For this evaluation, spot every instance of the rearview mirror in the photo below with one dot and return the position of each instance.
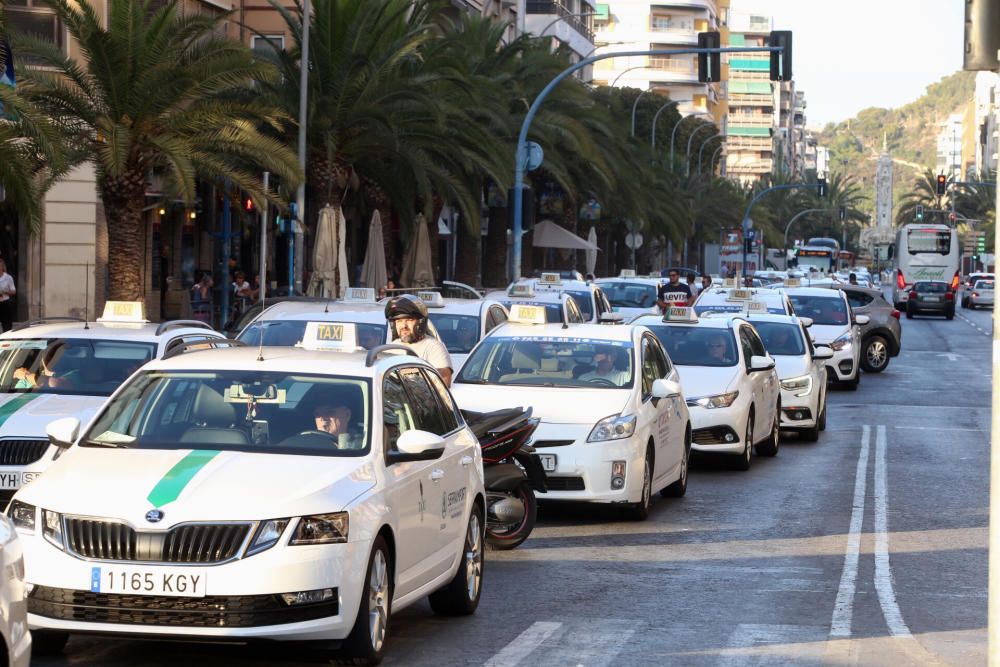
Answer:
(417, 445)
(822, 352)
(62, 432)
(862, 319)
(806, 321)
(665, 388)
(758, 363)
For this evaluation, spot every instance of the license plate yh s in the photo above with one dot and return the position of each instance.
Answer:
(179, 582)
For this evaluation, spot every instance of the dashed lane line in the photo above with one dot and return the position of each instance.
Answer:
(973, 324)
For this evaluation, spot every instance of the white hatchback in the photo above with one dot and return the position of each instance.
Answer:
(834, 325)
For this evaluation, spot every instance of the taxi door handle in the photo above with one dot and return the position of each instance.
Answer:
(436, 475)
(467, 460)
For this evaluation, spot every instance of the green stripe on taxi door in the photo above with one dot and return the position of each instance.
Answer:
(170, 487)
(13, 405)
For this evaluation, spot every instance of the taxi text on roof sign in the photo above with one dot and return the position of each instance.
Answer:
(756, 307)
(327, 336)
(627, 273)
(680, 314)
(521, 290)
(431, 299)
(124, 311)
(739, 295)
(550, 279)
(729, 282)
(360, 294)
(524, 314)
(793, 282)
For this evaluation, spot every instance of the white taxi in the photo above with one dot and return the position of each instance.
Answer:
(589, 297)
(734, 300)
(296, 494)
(461, 323)
(728, 378)
(801, 369)
(630, 295)
(58, 367)
(614, 426)
(836, 326)
(13, 599)
(559, 307)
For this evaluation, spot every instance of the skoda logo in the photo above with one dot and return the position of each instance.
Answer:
(154, 516)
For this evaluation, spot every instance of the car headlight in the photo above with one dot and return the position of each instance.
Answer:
(52, 527)
(801, 385)
(321, 529)
(841, 343)
(267, 535)
(22, 515)
(716, 401)
(614, 427)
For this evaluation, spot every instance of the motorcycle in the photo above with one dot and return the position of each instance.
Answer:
(513, 473)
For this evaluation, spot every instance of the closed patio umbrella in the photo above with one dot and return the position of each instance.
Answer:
(417, 266)
(373, 273)
(592, 254)
(322, 283)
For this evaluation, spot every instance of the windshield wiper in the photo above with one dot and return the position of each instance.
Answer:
(98, 443)
(476, 381)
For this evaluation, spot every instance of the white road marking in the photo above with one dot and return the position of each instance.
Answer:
(513, 653)
(843, 610)
(951, 356)
(943, 428)
(883, 574)
(592, 642)
(750, 644)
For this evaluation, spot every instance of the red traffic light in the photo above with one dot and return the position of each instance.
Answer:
(249, 204)
(942, 182)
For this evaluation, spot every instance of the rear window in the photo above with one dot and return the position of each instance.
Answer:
(630, 295)
(287, 333)
(586, 303)
(459, 333)
(933, 241)
(931, 288)
(984, 284)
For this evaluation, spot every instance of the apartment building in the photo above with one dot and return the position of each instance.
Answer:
(949, 146)
(627, 25)
(754, 101)
(569, 22)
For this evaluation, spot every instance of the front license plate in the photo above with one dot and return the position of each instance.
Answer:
(180, 582)
(10, 481)
(548, 462)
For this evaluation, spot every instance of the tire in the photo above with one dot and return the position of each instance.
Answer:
(810, 434)
(503, 541)
(770, 446)
(640, 511)
(48, 642)
(366, 643)
(679, 487)
(743, 461)
(822, 417)
(950, 313)
(875, 354)
(852, 385)
(461, 596)
(909, 313)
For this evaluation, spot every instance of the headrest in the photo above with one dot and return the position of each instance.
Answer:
(522, 358)
(550, 364)
(210, 408)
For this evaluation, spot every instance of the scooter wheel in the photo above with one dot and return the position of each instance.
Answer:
(504, 540)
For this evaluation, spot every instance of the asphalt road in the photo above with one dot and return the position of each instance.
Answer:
(800, 560)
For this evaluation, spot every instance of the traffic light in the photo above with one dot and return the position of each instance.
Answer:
(981, 243)
(982, 39)
(709, 64)
(821, 187)
(781, 61)
(920, 212)
(942, 184)
(249, 205)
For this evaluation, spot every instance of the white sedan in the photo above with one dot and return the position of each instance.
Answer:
(277, 493)
(614, 426)
(731, 386)
(834, 325)
(461, 323)
(630, 295)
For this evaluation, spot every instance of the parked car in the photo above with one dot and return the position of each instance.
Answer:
(931, 297)
(881, 338)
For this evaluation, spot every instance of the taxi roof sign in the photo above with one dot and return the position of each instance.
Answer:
(431, 299)
(729, 282)
(756, 307)
(340, 336)
(739, 295)
(133, 312)
(360, 295)
(793, 282)
(627, 273)
(521, 290)
(521, 313)
(680, 314)
(550, 279)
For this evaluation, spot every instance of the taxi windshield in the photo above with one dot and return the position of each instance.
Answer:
(781, 338)
(276, 413)
(459, 333)
(822, 309)
(696, 346)
(286, 333)
(72, 366)
(630, 295)
(550, 362)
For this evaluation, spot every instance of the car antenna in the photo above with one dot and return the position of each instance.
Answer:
(263, 304)
(86, 301)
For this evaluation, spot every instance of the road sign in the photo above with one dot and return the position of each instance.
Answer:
(633, 240)
(533, 156)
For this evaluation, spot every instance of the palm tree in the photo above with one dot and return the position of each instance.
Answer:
(154, 93)
(924, 193)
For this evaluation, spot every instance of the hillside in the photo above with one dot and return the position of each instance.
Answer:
(910, 133)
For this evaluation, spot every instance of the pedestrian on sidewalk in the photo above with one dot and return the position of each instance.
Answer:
(7, 293)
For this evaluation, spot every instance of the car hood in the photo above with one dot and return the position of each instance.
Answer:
(698, 381)
(26, 415)
(827, 333)
(791, 366)
(197, 485)
(550, 404)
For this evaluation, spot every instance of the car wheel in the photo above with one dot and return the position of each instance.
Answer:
(950, 313)
(48, 642)
(822, 417)
(909, 312)
(461, 596)
(366, 643)
(640, 510)
(743, 461)
(875, 354)
(770, 446)
(852, 384)
(679, 487)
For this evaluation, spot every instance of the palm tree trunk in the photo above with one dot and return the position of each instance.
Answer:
(495, 266)
(467, 252)
(123, 200)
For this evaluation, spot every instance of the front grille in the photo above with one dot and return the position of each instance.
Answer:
(190, 543)
(714, 435)
(21, 452)
(219, 611)
(540, 444)
(564, 483)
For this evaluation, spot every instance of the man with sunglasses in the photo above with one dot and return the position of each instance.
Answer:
(673, 293)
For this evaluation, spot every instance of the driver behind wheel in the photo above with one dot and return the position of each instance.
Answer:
(331, 416)
(604, 369)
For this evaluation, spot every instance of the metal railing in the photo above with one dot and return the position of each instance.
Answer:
(556, 8)
(676, 65)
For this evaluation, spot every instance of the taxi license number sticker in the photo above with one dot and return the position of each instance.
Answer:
(181, 582)
(15, 480)
(548, 462)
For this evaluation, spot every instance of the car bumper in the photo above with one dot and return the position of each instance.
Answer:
(583, 470)
(843, 366)
(930, 306)
(242, 598)
(711, 429)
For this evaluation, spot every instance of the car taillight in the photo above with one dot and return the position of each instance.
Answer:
(895, 313)
(955, 280)
(949, 296)
(975, 294)
(913, 294)
(900, 283)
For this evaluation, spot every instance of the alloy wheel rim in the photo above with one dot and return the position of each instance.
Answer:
(647, 483)
(684, 465)
(749, 440)
(378, 601)
(473, 557)
(876, 353)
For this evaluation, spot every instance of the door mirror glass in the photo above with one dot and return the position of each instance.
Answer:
(665, 388)
(62, 432)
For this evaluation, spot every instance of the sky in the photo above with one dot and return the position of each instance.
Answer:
(848, 55)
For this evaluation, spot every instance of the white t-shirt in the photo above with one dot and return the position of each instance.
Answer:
(619, 378)
(6, 285)
(432, 351)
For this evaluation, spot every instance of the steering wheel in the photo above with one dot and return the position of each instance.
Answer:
(604, 381)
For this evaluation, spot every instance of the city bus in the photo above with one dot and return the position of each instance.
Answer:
(816, 258)
(925, 252)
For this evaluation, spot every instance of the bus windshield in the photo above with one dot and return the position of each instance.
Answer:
(936, 241)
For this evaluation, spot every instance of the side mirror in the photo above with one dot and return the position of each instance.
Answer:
(862, 319)
(758, 363)
(822, 352)
(62, 432)
(417, 445)
(806, 321)
(666, 388)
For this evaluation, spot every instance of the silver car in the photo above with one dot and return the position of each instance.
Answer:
(981, 294)
(882, 337)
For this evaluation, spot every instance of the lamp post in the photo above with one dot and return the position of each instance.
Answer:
(702, 149)
(653, 138)
(300, 194)
(673, 135)
(634, 105)
(624, 71)
(712, 161)
(687, 157)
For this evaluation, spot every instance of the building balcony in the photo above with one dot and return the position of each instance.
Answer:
(745, 120)
(676, 67)
(552, 9)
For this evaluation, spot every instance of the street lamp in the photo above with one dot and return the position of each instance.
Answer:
(300, 194)
(634, 105)
(653, 138)
(712, 161)
(673, 134)
(702, 149)
(624, 71)
(687, 157)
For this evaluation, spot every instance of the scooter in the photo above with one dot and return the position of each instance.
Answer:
(513, 473)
